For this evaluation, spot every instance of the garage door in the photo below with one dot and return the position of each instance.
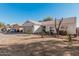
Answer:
(28, 29)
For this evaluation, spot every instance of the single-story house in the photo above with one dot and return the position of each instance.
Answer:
(35, 27)
(12, 28)
(32, 27)
(17, 27)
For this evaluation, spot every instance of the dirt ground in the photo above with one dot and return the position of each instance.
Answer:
(34, 45)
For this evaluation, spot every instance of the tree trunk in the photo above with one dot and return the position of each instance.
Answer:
(70, 38)
(57, 28)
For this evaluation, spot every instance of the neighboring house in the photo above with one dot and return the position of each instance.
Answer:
(17, 27)
(35, 27)
(12, 28)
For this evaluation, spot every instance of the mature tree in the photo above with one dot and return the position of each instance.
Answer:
(57, 27)
(48, 19)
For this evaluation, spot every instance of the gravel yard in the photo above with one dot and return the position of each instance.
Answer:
(34, 45)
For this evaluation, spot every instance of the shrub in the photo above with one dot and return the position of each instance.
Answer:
(61, 32)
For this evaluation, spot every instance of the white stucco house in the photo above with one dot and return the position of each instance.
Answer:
(32, 26)
(35, 27)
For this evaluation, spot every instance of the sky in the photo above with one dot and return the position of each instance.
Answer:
(20, 12)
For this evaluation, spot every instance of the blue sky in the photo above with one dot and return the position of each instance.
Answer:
(20, 12)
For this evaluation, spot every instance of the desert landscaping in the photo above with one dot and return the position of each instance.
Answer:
(34, 45)
(45, 38)
(39, 29)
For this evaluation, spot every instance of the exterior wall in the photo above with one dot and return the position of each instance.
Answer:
(69, 25)
(28, 29)
(70, 21)
(34, 28)
(50, 28)
(31, 27)
(47, 28)
(71, 29)
(15, 26)
(37, 29)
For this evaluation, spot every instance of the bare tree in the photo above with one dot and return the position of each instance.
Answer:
(57, 28)
(42, 31)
